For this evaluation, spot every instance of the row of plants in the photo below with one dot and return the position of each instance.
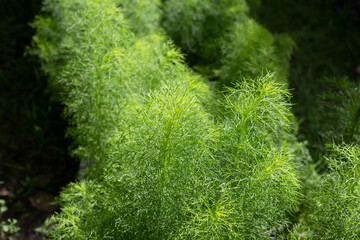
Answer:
(335, 114)
(170, 154)
(221, 41)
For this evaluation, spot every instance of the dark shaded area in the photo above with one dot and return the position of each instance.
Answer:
(327, 34)
(34, 164)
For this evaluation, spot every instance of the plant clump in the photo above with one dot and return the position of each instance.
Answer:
(222, 41)
(162, 165)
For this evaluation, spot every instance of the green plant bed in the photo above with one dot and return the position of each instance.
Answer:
(170, 158)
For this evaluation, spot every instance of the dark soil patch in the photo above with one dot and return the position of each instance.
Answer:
(34, 164)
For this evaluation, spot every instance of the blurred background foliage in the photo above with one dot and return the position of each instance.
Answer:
(325, 61)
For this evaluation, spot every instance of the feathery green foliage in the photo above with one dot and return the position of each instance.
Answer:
(197, 26)
(224, 41)
(341, 104)
(255, 160)
(164, 163)
(249, 50)
(106, 49)
(335, 202)
(143, 15)
(172, 174)
(163, 166)
(331, 207)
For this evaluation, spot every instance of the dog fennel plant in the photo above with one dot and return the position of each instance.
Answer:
(172, 175)
(223, 42)
(340, 102)
(331, 210)
(109, 51)
(334, 203)
(164, 168)
(246, 48)
(202, 22)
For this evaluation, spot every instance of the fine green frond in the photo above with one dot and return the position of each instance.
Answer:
(249, 50)
(223, 42)
(197, 26)
(334, 205)
(341, 103)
